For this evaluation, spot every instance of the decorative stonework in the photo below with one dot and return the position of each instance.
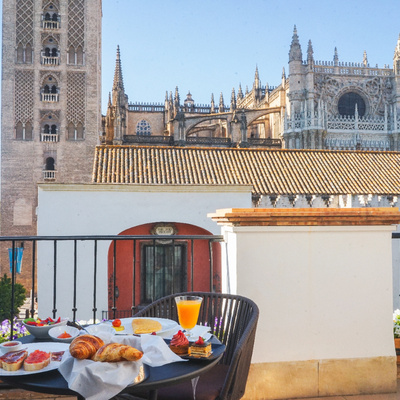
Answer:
(45, 36)
(377, 91)
(55, 3)
(45, 74)
(76, 23)
(24, 22)
(76, 95)
(54, 114)
(24, 92)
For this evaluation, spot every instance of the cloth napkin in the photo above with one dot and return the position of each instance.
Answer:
(198, 330)
(103, 380)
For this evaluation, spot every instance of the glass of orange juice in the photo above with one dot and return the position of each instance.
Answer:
(188, 311)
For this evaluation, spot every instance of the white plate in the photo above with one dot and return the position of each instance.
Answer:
(31, 347)
(167, 325)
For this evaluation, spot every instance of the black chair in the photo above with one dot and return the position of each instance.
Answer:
(233, 320)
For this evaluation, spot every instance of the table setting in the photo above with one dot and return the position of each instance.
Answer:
(103, 380)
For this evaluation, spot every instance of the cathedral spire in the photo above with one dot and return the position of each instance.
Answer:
(240, 93)
(118, 80)
(336, 57)
(310, 53)
(256, 84)
(212, 104)
(295, 53)
(233, 100)
(221, 103)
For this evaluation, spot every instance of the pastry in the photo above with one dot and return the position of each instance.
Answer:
(144, 325)
(114, 352)
(85, 346)
(13, 361)
(179, 344)
(200, 348)
(37, 360)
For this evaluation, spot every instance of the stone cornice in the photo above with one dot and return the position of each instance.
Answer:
(306, 217)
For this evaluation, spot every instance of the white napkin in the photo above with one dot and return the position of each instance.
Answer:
(198, 330)
(102, 380)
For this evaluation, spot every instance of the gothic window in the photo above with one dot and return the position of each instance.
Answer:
(50, 17)
(19, 131)
(20, 53)
(71, 131)
(79, 56)
(71, 55)
(49, 91)
(347, 104)
(143, 128)
(28, 54)
(46, 129)
(28, 131)
(50, 54)
(53, 129)
(79, 131)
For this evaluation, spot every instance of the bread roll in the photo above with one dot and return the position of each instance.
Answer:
(85, 346)
(114, 352)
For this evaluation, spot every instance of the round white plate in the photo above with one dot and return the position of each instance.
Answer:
(31, 347)
(167, 325)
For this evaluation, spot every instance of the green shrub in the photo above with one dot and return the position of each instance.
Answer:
(5, 297)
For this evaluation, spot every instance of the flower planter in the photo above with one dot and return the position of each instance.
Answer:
(397, 347)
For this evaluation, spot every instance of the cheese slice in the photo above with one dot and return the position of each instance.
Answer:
(141, 326)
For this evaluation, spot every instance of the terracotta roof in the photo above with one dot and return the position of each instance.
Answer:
(268, 171)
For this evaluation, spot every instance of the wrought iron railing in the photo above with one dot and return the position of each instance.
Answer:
(54, 252)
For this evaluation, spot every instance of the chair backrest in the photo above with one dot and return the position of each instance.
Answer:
(233, 320)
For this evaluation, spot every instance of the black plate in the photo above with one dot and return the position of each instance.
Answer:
(216, 348)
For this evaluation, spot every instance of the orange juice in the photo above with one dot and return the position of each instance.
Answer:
(188, 313)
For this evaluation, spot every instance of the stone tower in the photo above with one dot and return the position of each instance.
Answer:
(51, 98)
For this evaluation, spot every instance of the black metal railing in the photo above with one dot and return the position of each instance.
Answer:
(54, 250)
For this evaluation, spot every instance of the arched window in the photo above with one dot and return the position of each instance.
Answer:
(47, 17)
(49, 164)
(47, 52)
(54, 52)
(71, 131)
(54, 17)
(347, 104)
(46, 129)
(20, 53)
(28, 131)
(19, 131)
(53, 129)
(71, 55)
(79, 55)
(28, 54)
(79, 131)
(53, 89)
(143, 128)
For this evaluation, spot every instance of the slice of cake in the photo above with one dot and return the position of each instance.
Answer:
(179, 344)
(143, 325)
(200, 348)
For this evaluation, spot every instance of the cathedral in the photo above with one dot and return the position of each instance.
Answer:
(52, 120)
(330, 105)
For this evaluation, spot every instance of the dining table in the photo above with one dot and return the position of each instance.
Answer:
(52, 382)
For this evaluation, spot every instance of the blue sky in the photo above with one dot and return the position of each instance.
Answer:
(210, 46)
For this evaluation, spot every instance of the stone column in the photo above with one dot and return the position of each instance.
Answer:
(322, 279)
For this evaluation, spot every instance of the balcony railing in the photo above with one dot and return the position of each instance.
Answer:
(49, 175)
(49, 137)
(50, 24)
(47, 60)
(75, 256)
(49, 97)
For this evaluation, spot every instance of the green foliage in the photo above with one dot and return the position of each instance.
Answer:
(5, 297)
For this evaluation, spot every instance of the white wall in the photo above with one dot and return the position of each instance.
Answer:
(109, 210)
(324, 292)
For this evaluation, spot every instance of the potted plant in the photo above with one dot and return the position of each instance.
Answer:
(396, 333)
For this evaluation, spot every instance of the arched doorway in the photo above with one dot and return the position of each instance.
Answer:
(143, 270)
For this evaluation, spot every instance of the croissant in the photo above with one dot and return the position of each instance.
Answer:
(114, 352)
(85, 346)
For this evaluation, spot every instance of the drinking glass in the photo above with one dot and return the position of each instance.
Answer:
(188, 311)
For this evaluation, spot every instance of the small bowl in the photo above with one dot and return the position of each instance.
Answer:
(103, 331)
(14, 345)
(42, 332)
(56, 331)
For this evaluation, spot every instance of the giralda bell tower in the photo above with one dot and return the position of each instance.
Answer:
(50, 103)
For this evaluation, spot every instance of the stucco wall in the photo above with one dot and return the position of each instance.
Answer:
(109, 210)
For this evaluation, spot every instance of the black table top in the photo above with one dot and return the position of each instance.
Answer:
(52, 382)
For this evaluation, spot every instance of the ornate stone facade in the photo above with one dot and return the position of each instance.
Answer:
(51, 79)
